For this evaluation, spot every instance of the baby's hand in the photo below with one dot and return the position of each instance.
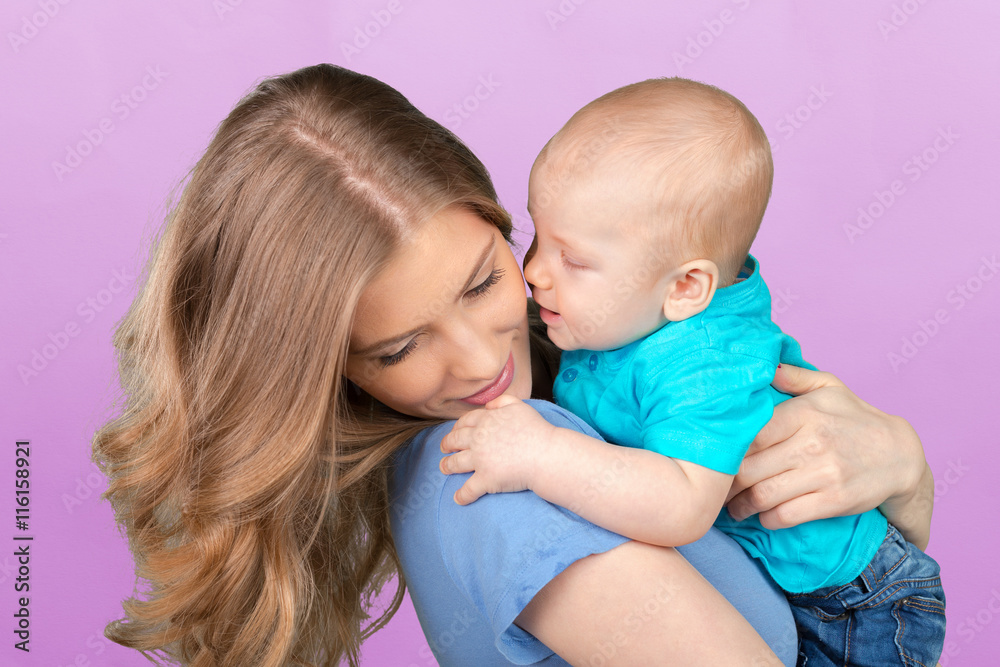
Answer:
(499, 444)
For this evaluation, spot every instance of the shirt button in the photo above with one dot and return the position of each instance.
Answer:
(569, 374)
(593, 362)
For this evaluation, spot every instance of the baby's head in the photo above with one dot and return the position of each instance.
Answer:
(644, 204)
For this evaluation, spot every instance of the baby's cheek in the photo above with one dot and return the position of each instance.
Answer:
(584, 321)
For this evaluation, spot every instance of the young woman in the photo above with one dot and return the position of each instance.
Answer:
(334, 285)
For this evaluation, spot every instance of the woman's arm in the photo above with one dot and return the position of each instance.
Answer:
(640, 604)
(828, 453)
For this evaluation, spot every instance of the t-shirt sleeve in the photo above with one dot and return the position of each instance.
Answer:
(707, 407)
(504, 548)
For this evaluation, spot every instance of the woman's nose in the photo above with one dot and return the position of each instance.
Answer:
(474, 351)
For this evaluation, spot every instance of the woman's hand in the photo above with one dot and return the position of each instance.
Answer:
(827, 453)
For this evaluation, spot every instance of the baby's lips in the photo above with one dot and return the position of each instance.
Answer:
(550, 317)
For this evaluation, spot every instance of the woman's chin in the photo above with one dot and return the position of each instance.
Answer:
(521, 387)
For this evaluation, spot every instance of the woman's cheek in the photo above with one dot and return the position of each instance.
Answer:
(415, 383)
(517, 309)
(515, 301)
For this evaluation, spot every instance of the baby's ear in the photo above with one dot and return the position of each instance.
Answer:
(691, 289)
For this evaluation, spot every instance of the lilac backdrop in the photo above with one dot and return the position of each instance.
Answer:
(880, 244)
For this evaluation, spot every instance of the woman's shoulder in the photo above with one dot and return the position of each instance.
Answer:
(423, 496)
(429, 440)
(560, 416)
(415, 475)
(419, 490)
(497, 552)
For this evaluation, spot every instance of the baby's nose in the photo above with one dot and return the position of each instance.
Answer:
(533, 274)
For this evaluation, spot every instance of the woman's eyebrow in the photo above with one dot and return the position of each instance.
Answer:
(394, 340)
(478, 267)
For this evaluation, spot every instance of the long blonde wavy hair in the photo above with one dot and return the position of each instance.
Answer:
(248, 475)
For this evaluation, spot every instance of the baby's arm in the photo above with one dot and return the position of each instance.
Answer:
(637, 493)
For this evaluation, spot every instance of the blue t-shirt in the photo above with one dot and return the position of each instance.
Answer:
(471, 570)
(699, 390)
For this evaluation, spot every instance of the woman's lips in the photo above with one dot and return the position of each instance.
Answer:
(549, 317)
(495, 388)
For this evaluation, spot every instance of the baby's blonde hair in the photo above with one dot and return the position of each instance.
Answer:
(693, 161)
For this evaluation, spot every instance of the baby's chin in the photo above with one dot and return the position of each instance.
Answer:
(565, 340)
(570, 341)
(568, 336)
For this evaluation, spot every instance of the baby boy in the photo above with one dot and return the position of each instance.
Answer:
(645, 206)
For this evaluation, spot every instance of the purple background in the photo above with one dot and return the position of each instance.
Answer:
(886, 81)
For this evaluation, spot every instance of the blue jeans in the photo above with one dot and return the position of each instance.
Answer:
(892, 614)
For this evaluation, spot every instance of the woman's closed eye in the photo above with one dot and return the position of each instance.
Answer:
(476, 292)
(391, 359)
(482, 288)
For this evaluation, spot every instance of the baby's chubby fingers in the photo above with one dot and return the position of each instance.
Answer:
(455, 441)
(459, 438)
(502, 401)
(456, 463)
(471, 491)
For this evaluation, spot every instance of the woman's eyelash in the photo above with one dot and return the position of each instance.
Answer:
(484, 287)
(391, 359)
(476, 292)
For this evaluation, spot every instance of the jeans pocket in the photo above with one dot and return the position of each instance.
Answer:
(920, 626)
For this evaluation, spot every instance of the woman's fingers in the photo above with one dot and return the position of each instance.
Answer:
(827, 453)
(769, 493)
(456, 463)
(786, 421)
(796, 380)
(798, 510)
(791, 415)
(776, 449)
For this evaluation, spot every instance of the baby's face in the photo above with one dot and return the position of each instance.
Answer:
(598, 287)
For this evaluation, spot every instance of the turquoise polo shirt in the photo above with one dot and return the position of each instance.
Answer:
(699, 390)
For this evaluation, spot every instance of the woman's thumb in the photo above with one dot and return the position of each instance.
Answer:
(796, 380)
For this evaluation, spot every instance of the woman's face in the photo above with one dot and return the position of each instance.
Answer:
(444, 329)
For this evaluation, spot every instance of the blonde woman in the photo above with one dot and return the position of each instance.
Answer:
(333, 288)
